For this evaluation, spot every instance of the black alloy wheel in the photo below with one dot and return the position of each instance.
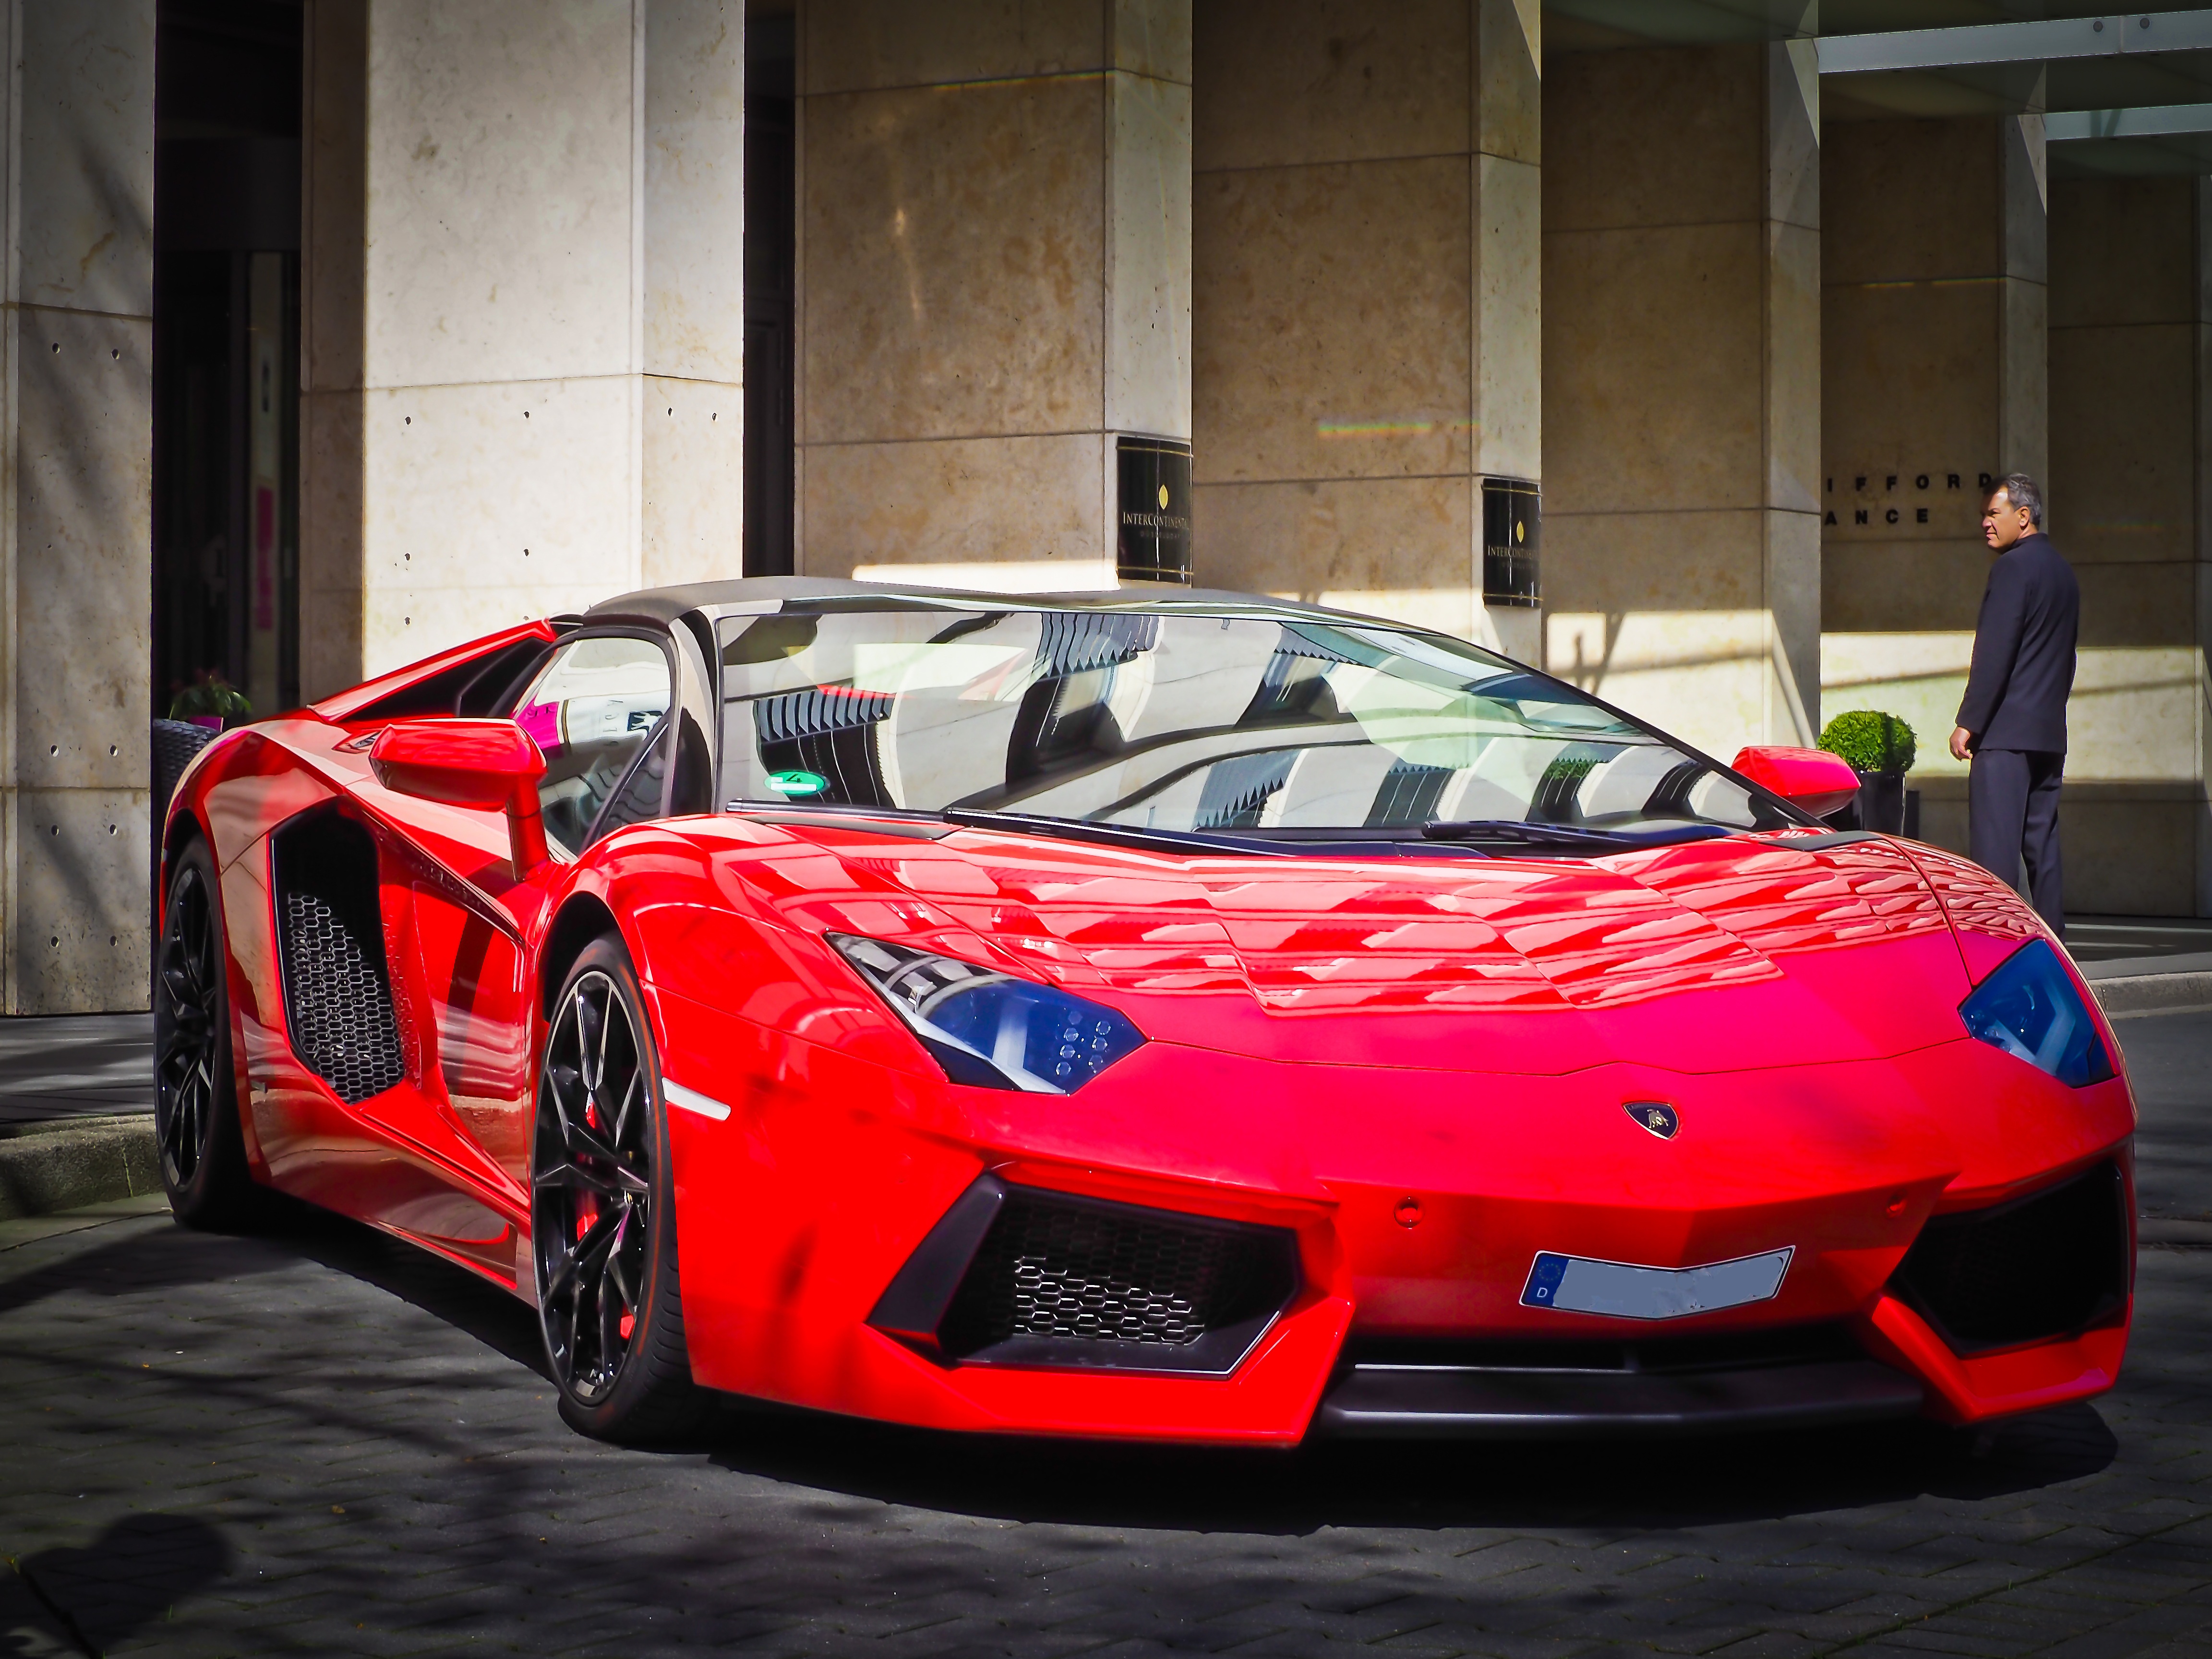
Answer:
(194, 1090)
(602, 1216)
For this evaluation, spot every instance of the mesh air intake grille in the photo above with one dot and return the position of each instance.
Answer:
(337, 988)
(1076, 1271)
(2040, 1267)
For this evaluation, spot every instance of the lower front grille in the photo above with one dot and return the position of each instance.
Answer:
(2042, 1267)
(1014, 1275)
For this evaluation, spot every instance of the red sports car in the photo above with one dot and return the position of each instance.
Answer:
(1176, 1015)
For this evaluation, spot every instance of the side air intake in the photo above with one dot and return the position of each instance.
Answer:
(330, 936)
(2041, 1266)
(1015, 1276)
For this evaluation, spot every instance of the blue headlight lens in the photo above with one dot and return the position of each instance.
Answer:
(989, 1028)
(2030, 1009)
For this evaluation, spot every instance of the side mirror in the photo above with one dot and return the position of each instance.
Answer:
(491, 764)
(1811, 780)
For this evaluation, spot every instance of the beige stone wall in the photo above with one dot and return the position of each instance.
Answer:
(1933, 302)
(76, 156)
(1365, 247)
(523, 327)
(994, 228)
(2129, 317)
(1935, 314)
(1682, 385)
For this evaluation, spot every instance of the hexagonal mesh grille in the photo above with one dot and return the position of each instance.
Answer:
(340, 1009)
(1055, 1268)
(337, 987)
(2040, 1267)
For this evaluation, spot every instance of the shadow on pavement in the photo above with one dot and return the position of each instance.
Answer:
(131, 1576)
(495, 1317)
(129, 1264)
(1644, 1484)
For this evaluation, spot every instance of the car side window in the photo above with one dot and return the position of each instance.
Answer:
(597, 711)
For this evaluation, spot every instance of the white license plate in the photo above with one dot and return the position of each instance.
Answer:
(1578, 1284)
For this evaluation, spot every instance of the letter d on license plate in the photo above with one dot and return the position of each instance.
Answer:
(1578, 1284)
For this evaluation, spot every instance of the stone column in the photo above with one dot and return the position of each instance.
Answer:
(1934, 311)
(2130, 394)
(522, 312)
(1682, 385)
(1367, 316)
(994, 281)
(76, 148)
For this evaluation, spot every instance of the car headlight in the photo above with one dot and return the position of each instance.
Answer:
(989, 1028)
(2030, 1009)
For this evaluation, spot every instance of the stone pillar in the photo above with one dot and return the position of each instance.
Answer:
(2130, 394)
(1934, 311)
(1682, 385)
(994, 281)
(76, 505)
(522, 315)
(1367, 318)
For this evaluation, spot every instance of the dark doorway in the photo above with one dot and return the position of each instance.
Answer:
(770, 289)
(225, 354)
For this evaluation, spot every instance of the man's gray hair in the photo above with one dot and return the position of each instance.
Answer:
(2020, 489)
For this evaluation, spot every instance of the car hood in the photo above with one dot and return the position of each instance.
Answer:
(1712, 955)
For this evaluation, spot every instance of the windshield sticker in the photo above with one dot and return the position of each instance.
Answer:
(797, 783)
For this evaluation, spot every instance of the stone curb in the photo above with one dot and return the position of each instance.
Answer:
(2151, 993)
(68, 1162)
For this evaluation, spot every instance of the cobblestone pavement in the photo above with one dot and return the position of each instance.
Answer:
(318, 1441)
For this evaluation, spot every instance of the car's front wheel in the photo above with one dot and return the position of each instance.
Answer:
(195, 1085)
(603, 1215)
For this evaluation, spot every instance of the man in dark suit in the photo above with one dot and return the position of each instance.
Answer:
(2011, 723)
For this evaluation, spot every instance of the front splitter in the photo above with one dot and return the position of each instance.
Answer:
(1480, 1403)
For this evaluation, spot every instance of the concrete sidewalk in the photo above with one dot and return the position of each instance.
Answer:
(77, 1092)
(77, 1112)
(75, 1066)
(2143, 964)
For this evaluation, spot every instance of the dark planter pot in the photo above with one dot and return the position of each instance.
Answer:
(1881, 802)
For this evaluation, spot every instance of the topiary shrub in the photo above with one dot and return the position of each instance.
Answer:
(1870, 741)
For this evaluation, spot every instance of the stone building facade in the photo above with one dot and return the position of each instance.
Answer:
(608, 293)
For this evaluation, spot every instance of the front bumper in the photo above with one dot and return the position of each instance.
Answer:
(801, 1211)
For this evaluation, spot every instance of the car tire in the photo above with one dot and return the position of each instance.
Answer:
(196, 1128)
(603, 1214)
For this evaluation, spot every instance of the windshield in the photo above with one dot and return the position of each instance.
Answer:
(1183, 721)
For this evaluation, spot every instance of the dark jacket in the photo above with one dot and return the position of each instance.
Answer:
(2024, 650)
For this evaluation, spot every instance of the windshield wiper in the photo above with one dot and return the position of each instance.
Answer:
(1519, 832)
(1112, 835)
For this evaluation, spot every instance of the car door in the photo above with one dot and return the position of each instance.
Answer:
(598, 710)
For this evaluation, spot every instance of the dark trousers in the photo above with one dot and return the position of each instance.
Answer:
(2012, 818)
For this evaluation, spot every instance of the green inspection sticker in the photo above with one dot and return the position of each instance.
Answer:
(797, 783)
